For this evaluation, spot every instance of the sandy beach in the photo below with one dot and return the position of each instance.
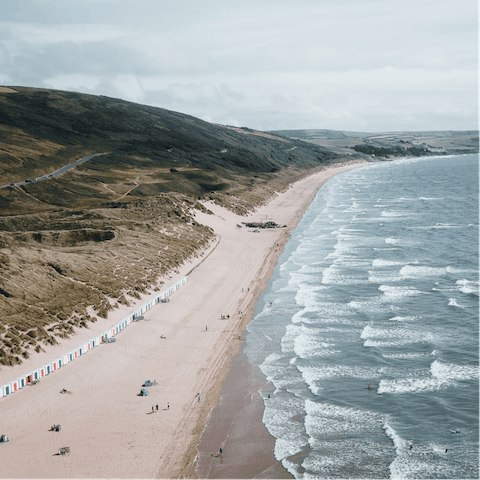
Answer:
(111, 431)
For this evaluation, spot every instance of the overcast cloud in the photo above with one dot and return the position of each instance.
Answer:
(349, 65)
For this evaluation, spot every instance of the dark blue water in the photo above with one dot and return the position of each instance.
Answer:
(378, 285)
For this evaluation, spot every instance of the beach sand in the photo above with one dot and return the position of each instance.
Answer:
(111, 431)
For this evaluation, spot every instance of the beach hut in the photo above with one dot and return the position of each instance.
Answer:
(7, 389)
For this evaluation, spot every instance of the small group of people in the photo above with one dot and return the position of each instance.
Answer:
(155, 407)
(223, 317)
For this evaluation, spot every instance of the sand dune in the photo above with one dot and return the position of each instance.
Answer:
(110, 430)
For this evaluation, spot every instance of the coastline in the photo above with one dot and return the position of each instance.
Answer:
(235, 424)
(194, 358)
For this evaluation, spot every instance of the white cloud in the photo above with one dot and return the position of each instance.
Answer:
(128, 87)
(266, 64)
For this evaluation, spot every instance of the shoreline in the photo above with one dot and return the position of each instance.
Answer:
(235, 423)
(186, 346)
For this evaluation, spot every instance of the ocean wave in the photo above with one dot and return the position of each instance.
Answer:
(290, 433)
(418, 271)
(452, 302)
(396, 214)
(407, 318)
(328, 419)
(378, 262)
(400, 336)
(440, 376)
(426, 460)
(467, 286)
(307, 295)
(392, 241)
(412, 385)
(396, 293)
(399, 443)
(382, 277)
(437, 226)
(313, 374)
(406, 356)
(446, 371)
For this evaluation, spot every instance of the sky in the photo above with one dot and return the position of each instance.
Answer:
(355, 65)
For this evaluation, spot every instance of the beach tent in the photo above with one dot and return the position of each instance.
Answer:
(143, 392)
(148, 383)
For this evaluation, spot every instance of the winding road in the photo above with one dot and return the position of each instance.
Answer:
(54, 174)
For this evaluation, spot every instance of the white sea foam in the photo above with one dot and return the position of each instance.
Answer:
(327, 419)
(467, 286)
(433, 227)
(441, 376)
(382, 277)
(452, 302)
(314, 374)
(290, 433)
(307, 346)
(399, 443)
(378, 262)
(446, 371)
(419, 271)
(405, 355)
(408, 318)
(396, 214)
(411, 385)
(392, 241)
(307, 295)
(402, 336)
(394, 293)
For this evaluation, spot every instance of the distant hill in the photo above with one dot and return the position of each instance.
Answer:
(386, 145)
(43, 130)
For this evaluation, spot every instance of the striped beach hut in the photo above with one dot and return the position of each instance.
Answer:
(6, 389)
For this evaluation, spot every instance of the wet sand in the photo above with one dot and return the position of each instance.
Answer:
(236, 427)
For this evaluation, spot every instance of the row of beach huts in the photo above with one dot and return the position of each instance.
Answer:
(106, 337)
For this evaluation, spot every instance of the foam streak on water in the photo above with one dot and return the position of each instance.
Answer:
(378, 285)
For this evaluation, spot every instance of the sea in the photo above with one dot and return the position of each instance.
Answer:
(368, 331)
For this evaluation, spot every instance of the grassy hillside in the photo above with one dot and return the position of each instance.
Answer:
(84, 238)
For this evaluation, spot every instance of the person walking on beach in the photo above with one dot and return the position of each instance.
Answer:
(153, 408)
(168, 405)
(206, 328)
(156, 407)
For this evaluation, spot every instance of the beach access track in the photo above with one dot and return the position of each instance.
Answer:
(106, 337)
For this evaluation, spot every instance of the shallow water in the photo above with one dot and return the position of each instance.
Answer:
(377, 285)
